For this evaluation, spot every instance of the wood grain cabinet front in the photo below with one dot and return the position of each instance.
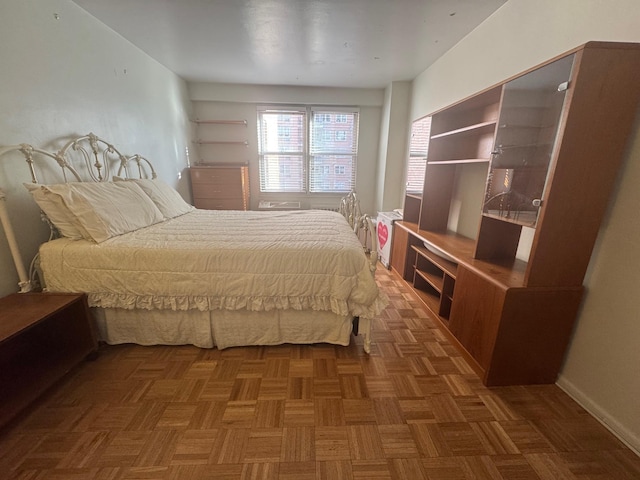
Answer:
(517, 182)
(220, 187)
(42, 337)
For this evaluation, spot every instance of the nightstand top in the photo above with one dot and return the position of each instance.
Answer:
(20, 311)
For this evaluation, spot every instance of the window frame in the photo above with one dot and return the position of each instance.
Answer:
(417, 158)
(342, 153)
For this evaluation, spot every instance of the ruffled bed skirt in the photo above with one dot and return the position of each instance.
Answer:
(220, 328)
(237, 304)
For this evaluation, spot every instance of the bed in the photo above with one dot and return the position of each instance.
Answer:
(158, 271)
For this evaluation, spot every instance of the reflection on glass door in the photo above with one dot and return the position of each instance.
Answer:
(527, 128)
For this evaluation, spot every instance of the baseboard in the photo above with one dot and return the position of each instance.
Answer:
(627, 437)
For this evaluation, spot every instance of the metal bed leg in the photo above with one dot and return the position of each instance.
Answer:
(364, 328)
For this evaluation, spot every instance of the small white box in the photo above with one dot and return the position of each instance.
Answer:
(384, 230)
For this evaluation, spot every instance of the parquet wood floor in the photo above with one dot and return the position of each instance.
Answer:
(413, 409)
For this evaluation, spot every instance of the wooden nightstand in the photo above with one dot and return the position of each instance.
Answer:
(42, 337)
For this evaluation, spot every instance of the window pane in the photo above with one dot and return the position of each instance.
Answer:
(332, 173)
(281, 132)
(333, 147)
(418, 149)
(335, 133)
(281, 150)
(282, 173)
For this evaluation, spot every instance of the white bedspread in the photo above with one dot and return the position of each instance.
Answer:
(208, 260)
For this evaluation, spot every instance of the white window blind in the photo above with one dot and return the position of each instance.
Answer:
(281, 150)
(333, 143)
(418, 150)
(307, 149)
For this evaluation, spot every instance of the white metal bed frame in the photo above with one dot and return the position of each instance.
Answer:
(97, 159)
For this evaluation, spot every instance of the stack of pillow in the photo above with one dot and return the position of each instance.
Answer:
(97, 211)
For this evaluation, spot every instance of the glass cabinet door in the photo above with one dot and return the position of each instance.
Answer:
(527, 126)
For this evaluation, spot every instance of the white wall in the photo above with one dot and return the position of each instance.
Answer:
(394, 141)
(239, 102)
(602, 368)
(68, 76)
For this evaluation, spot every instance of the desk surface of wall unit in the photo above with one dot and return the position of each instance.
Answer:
(550, 143)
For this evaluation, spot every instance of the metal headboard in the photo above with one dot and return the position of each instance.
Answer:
(90, 155)
(98, 157)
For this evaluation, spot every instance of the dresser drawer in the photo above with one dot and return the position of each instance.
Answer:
(220, 187)
(217, 176)
(212, 190)
(219, 203)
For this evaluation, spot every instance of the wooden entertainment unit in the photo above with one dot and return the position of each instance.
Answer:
(543, 150)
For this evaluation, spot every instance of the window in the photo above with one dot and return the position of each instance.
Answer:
(418, 149)
(317, 155)
(284, 131)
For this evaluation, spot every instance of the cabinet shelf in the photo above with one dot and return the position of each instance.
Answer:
(523, 126)
(525, 218)
(432, 279)
(430, 299)
(470, 130)
(463, 145)
(446, 266)
(459, 161)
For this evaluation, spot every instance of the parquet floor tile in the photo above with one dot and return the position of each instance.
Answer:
(412, 409)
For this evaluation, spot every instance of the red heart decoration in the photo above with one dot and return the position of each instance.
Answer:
(383, 234)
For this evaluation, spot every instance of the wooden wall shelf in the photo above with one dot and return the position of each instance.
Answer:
(221, 122)
(222, 142)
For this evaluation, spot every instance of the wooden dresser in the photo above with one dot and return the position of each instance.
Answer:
(220, 186)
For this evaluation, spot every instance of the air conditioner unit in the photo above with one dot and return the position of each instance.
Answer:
(271, 205)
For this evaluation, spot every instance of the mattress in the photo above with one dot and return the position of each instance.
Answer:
(222, 260)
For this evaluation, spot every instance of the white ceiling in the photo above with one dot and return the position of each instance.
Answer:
(335, 43)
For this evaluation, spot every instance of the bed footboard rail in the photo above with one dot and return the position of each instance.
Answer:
(362, 225)
(365, 225)
(365, 230)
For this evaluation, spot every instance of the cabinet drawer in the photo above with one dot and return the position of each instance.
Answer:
(218, 176)
(203, 190)
(219, 203)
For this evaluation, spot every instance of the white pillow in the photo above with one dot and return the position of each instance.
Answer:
(168, 201)
(108, 209)
(57, 212)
